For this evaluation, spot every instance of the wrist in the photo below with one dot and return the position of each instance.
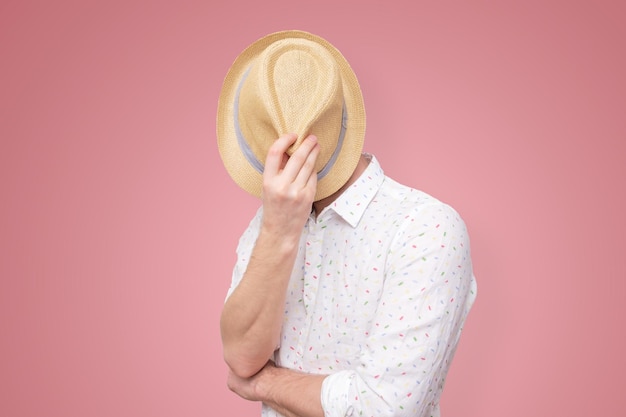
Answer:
(281, 241)
(263, 383)
(290, 392)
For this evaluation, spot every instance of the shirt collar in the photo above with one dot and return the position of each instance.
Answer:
(351, 204)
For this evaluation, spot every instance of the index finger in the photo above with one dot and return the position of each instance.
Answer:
(275, 154)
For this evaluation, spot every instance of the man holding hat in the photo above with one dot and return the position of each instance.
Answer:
(350, 290)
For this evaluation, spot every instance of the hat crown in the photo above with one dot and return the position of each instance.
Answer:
(290, 82)
(293, 86)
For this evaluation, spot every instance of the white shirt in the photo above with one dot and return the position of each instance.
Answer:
(378, 295)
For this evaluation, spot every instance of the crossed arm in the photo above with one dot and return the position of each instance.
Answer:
(252, 316)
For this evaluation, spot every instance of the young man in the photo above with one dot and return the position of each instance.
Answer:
(350, 290)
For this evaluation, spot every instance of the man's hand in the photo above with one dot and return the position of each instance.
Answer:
(289, 186)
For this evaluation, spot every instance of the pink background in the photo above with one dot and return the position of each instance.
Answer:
(118, 222)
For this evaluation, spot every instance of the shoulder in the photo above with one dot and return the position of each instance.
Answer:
(431, 243)
(415, 208)
(421, 223)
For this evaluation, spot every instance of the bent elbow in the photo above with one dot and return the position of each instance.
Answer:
(241, 367)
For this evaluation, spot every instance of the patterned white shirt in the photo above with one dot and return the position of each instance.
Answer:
(378, 295)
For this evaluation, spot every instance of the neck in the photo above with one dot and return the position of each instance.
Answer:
(320, 205)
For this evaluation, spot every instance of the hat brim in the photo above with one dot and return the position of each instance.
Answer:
(238, 167)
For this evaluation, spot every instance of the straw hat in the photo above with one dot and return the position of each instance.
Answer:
(290, 82)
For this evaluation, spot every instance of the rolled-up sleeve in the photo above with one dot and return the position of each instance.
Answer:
(428, 291)
(244, 249)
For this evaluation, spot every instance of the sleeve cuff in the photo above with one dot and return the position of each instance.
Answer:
(334, 395)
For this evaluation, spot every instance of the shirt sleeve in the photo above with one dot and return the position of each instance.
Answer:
(244, 250)
(428, 291)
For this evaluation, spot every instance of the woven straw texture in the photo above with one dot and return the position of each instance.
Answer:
(290, 82)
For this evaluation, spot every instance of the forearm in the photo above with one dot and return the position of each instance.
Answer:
(292, 393)
(252, 316)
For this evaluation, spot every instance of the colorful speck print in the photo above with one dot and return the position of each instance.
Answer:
(379, 293)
